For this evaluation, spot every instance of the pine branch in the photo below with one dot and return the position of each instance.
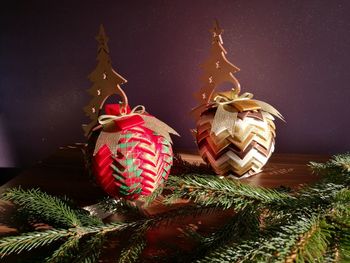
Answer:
(321, 195)
(149, 199)
(210, 190)
(311, 225)
(344, 245)
(341, 208)
(225, 193)
(182, 167)
(86, 219)
(118, 206)
(340, 161)
(65, 252)
(312, 245)
(337, 169)
(242, 226)
(331, 255)
(42, 205)
(167, 218)
(339, 217)
(137, 244)
(60, 212)
(339, 249)
(104, 229)
(272, 245)
(90, 251)
(29, 241)
(343, 161)
(132, 253)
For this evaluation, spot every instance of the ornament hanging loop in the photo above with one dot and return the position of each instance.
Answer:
(125, 102)
(236, 87)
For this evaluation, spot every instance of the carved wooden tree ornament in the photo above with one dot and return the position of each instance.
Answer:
(106, 82)
(235, 134)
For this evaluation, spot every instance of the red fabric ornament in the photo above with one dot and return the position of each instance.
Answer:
(131, 159)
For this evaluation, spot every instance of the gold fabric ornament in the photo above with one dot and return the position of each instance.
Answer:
(235, 133)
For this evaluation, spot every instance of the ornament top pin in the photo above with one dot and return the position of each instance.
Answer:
(235, 133)
(131, 151)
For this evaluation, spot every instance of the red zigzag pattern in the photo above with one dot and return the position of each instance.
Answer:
(141, 165)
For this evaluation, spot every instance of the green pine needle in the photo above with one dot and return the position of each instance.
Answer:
(65, 252)
(311, 225)
(210, 190)
(90, 251)
(274, 246)
(132, 253)
(42, 205)
(149, 199)
(313, 244)
(336, 169)
(28, 241)
(118, 206)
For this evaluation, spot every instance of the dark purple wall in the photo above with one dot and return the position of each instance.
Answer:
(292, 54)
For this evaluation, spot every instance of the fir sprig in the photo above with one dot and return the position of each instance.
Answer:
(337, 164)
(212, 190)
(273, 245)
(28, 241)
(118, 206)
(149, 199)
(242, 226)
(132, 252)
(65, 252)
(310, 225)
(44, 206)
(90, 250)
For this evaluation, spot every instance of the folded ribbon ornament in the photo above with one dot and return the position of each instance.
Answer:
(131, 149)
(235, 133)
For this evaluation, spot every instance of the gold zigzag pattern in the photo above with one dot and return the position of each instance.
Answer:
(242, 154)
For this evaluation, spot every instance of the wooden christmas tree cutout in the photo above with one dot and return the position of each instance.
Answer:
(106, 82)
(217, 69)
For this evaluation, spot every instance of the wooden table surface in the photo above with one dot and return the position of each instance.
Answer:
(63, 173)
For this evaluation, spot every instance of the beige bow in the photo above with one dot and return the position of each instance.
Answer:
(226, 120)
(105, 119)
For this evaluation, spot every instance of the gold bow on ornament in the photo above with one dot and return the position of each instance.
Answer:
(226, 117)
(111, 138)
(107, 119)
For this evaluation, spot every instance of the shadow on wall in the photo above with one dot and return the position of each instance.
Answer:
(7, 160)
(6, 153)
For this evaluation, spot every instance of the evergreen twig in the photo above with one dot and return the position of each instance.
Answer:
(28, 241)
(272, 246)
(212, 190)
(132, 252)
(42, 205)
(311, 225)
(118, 206)
(65, 252)
(149, 199)
(90, 251)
